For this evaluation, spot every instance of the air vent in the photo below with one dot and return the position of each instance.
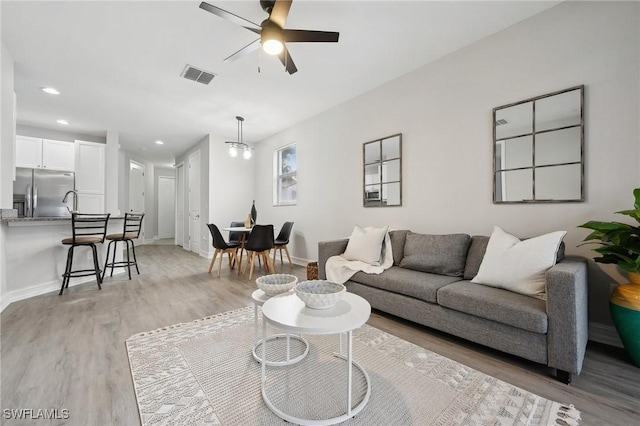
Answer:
(195, 74)
(501, 122)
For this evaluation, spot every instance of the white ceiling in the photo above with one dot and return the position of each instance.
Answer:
(117, 64)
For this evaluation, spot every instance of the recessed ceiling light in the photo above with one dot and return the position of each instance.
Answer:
(50, 90)
(65, 122)
(160, 142)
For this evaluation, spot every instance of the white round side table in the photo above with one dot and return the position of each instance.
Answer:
(288, 312)
(259, 298)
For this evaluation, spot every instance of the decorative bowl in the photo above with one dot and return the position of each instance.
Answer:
(276, 283)
(319, 294)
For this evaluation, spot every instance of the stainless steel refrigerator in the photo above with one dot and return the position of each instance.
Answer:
(39, 193)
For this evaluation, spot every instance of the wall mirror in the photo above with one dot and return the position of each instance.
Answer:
(382, 161)
(538, 147)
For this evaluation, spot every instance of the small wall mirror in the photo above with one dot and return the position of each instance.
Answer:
(382, 160)
(539, 149)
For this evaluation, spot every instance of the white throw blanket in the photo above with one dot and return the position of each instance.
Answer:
(339, 269)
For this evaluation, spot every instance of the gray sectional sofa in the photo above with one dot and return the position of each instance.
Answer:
(436, 291)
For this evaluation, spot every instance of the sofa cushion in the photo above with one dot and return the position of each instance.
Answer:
(438, 254)
(517, 265)
(495, 304)
(477, 248)
(365, 244)
(421, 285)
(476, 253)
(398, 238)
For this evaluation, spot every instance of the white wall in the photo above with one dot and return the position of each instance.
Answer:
(7, 144)
(444, 111)
(231, 192)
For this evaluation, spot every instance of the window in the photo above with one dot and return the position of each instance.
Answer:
(285, 161)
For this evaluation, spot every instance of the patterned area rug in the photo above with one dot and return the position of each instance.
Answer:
(202, 373)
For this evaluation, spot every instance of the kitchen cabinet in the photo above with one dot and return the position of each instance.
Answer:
(37, 153)
(90, 176)
(90, 203)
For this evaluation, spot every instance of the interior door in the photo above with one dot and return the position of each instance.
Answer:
(180, 205)
(194, 202)
(166, 207)
(136, 190)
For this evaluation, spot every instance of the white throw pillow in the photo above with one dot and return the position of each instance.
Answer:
(518, 266)
(365, 244)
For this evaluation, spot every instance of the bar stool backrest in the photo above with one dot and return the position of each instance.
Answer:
(89, 225)
(132, 225)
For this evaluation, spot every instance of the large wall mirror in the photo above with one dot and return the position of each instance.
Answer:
(383, 172)
(539, 149)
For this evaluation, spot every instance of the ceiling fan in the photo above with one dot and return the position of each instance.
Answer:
(273, 35)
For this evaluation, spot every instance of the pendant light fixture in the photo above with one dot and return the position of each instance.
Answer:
(239, 145)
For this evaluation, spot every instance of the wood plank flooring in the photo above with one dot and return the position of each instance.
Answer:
(68, 352)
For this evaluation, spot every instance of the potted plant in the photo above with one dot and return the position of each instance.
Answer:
(620, 245)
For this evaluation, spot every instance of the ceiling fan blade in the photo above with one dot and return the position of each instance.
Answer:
(285, 58)
(251, 47)
(231, 17)
(280, 12)
(298, 36)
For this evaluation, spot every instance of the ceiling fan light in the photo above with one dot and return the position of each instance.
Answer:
(272, 46)
(247, 154)
(233, 151)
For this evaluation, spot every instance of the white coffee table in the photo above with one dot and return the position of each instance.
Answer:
(259, 297)
(288, 312)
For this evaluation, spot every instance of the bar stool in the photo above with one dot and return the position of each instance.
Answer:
(87, 230)
(130, 231)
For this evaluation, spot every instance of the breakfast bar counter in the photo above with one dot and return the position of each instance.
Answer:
(35, 257)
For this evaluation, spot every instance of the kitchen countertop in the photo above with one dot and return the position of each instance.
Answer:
(28, 220)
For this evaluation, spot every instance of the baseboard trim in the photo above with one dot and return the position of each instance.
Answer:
(47, 287)
(606, 334)
(300, 261)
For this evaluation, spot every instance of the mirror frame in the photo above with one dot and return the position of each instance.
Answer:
(532, 134)
(380, 161)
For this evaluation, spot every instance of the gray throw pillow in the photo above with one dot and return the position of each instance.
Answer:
(437, 254)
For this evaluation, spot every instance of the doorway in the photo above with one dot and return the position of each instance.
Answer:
(136, 190)
(180, 190)
(166, 206)
(194, 202)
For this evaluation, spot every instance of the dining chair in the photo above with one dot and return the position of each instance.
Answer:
(260, 243)
(222, 247)
(86, 230)
(238, 237)
(130, 231)
(281, 242)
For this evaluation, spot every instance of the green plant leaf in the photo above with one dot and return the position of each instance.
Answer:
(604, 226)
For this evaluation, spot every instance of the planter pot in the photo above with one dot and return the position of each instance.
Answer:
(624, 305)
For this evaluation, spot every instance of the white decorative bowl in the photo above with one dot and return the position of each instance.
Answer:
(319, 294)
(276, 283)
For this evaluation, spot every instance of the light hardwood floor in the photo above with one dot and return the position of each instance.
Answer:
(68, 352)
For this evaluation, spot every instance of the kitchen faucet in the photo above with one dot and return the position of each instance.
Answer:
(75, 200)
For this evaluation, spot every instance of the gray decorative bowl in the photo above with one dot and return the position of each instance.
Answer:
(319, 294)
(276, 283)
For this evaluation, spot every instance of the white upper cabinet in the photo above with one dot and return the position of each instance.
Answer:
(58, 155)
(37, 153)
(90, 167)
(28, 152)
